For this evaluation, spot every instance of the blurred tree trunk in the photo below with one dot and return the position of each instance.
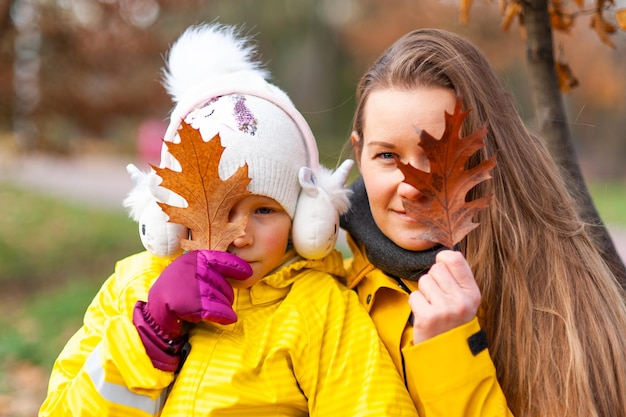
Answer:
(5, 16)
(26, 66)
(552, 119)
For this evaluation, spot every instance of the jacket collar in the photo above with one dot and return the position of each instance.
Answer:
(276, 285)
(382, 252)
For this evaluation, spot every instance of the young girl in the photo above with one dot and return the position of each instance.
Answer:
(256, 330)
(528, 282)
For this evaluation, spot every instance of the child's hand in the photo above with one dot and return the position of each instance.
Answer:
(192, 288)
(448, 297)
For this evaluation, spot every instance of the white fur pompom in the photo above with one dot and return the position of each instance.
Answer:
(206, 51)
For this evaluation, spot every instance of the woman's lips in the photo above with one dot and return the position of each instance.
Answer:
(402, 215)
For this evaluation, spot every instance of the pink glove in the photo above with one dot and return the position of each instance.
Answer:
(191, 289)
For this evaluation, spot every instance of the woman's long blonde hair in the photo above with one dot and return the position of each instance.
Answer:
(554, 314)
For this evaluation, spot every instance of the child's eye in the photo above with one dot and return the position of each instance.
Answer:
(264, 210)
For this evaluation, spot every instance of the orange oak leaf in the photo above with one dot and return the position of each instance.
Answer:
(446, 214)
(209, 199)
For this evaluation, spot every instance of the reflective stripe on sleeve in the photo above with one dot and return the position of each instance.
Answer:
(119, 394)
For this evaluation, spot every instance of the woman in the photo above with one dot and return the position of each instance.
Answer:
(529, 276)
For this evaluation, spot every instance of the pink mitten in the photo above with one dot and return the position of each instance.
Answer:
(192, 288)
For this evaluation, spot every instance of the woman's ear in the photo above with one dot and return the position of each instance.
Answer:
(356, 147)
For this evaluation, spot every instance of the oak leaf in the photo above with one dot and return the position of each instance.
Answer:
(209, 199)
(446, 214)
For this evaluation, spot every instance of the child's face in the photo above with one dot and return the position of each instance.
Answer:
(266, 236)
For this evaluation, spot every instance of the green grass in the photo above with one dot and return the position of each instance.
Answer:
(46, 241)
(610, 201)
(53, 258)
(38, 330)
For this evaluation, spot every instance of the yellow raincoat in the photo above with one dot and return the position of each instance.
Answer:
(303, 345)
(443, 375)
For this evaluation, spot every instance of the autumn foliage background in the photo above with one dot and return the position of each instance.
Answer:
(99, 65)
(95, 68)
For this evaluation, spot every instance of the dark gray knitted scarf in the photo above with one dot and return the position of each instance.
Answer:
(380, 250)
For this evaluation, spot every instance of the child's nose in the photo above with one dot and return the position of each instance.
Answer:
(243, 240)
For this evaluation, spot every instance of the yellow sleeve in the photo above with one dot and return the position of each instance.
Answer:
(446, 379)
(104, 369)
(347, 370)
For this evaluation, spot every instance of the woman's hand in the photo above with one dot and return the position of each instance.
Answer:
(448, 297)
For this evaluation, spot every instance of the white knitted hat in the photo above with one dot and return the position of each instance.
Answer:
(217, 89)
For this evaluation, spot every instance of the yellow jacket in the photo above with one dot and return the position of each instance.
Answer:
(444, 378)
(302, 345)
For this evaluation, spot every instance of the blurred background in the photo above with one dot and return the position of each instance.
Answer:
(80, 97)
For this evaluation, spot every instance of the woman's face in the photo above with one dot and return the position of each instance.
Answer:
(392, 121)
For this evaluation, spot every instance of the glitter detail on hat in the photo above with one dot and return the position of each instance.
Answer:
(245, 119)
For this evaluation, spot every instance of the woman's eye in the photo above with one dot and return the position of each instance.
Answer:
(385, 155)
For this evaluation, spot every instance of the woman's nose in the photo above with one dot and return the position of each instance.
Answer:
(408, 191)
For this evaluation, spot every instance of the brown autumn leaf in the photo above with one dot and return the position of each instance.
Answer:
(464, 11)
(559, 19)
(603, 28)
(209, 199)
(512, 10)
(566, 78)
(447, 214)
(620, 17)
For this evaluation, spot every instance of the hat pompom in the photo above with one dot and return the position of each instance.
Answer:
(189, 63)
